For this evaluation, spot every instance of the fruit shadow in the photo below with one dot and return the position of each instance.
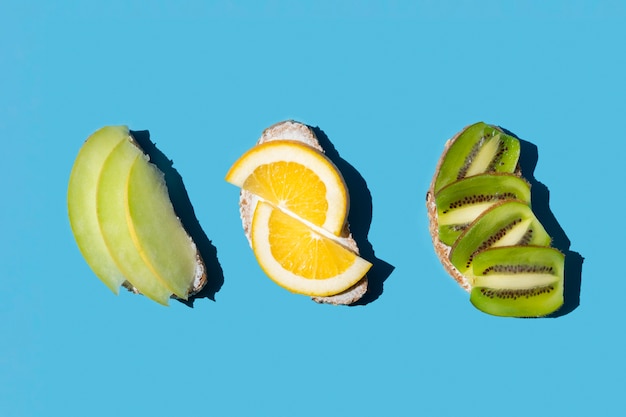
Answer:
(360, 219)
(540, 198)
(184, 210)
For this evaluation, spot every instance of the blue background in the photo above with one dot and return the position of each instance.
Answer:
(388, 82)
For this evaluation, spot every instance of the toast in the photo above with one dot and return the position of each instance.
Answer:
(293, 130)
(441, 249)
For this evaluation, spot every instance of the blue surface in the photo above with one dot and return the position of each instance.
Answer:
(388, 84)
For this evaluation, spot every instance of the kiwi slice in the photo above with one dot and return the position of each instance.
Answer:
(518, 281)
(517, 267)
(481, 148)
(532, 302)
(510, 223)
(461, 202)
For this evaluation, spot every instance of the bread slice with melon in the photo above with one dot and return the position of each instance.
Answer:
(124, 221)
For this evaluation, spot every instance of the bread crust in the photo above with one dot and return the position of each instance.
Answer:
(292, 130)
(197, 285)
(441, 249)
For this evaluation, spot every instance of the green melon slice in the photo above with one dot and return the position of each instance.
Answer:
(81, 203)
(156, 231)
(112, 201)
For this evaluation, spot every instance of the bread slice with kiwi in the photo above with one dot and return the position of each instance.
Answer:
(483, 228)
(300, 132)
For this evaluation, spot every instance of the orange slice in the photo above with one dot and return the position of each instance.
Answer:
(295, 178)
(302, 259)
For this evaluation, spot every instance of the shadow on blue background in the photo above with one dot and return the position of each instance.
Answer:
(540, 198)
(360, 219)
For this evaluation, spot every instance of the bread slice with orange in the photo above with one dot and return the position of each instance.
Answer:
(294, 205)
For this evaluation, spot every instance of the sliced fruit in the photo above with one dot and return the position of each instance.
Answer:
(301, 259)
(156, 231)
(81, 203)
(520, 281)
(481, 148)
(111, 206)
(533, 302)
(295, 178)
(124, 222)
(460, 203)
(504, 267)
(506, 224)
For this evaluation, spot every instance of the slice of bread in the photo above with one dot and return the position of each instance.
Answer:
(441, 249)
(293, 130)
